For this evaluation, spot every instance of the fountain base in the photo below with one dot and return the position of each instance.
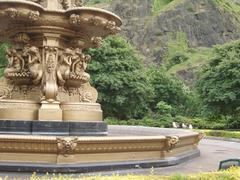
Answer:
(131, 147)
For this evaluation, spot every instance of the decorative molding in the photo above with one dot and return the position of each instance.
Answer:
(73, 145)
(111, 26)
(22, 38)
(66, 146)
(78, 3)
(65, 4)
(97, 41)
(18, 14)
(5, 92)
(172, 141)
(200, 136)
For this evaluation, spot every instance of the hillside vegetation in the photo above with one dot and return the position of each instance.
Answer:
(152, 26)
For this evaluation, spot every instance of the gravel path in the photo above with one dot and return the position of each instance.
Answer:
(212, 152)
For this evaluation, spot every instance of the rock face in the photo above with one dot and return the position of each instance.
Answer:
(203, 21)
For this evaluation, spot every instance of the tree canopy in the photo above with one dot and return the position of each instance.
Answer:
(120, 78)
(219, 81)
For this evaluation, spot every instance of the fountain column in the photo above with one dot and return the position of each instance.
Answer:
(50, 106)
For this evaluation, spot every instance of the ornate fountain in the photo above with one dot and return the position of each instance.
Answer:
(46, 91)
(46, 78)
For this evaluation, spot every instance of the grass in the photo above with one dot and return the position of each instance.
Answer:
(221, 133)
(160, 6)
(96, 2)
(231, 6)
(197, 57)
(230, 174)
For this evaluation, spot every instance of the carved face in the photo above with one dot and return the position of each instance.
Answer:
(34, 15)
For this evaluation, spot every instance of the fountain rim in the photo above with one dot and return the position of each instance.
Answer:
(67, 11)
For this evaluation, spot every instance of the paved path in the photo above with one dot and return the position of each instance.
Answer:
(212, 152)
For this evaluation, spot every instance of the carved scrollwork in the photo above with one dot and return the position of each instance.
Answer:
(33, 15)
(172, 141)
(200, 136)
(65, 4)
(96, 21)
(111, 26)
(88, 93)
(5, 92)
(22, 38)
(50, 88)
(78, 3)
(66, 146)
(11, 13)
(77, 19)
(97, 41)
(16, 14)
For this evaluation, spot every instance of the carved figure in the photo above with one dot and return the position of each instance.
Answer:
(80, 65)
(64, 65)
(34, 63)
(16, 62)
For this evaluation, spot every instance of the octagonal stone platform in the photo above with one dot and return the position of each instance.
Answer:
(125, 147)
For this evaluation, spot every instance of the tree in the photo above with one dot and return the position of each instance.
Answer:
(167, 88)
(120, 78)
(219, 81)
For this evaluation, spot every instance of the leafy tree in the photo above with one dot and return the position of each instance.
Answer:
(120, 78)
(167, 88)
(219, 81)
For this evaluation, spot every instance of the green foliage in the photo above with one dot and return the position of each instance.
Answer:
(230, 6)
(163, 108)
(3, 60)
(177, 48)
(93, 2)
(118, 74)
(200, 123)
(224, 134)
(159, 6)
(219, 81)
(167, 88)
(161, 122)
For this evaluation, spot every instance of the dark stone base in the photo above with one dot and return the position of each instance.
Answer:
(53, 128)
(91, 167)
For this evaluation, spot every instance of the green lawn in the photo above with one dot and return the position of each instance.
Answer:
(231, 174)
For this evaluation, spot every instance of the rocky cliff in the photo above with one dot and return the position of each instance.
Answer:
(205, 23)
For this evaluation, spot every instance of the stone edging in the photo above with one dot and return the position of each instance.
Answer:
(223, 139)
